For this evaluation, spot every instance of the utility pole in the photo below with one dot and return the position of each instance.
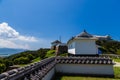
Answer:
(60, 38)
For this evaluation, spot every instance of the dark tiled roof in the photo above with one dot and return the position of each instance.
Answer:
(84, 34)
(56, 41)
(84, 60)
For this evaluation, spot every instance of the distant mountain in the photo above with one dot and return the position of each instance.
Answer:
(9, 51)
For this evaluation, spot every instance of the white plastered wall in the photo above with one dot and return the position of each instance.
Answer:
(83, 47)
(71, 48)
(49, 75)
(85, 69)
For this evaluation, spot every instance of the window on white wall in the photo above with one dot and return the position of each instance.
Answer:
(71, 46)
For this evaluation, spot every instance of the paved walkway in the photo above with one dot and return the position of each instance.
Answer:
(117, 64)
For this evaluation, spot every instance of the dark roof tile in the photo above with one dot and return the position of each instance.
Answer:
(84, 60)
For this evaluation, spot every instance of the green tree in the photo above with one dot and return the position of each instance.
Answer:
(8, 63)
(30, 56)
(21, 60)
(2, 67)
(109, 46)
(42, 53)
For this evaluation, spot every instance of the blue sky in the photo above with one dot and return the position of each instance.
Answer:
(39, 22)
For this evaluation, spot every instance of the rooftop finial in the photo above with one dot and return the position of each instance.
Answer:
(84, 30)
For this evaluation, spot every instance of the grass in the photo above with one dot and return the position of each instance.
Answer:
(118, 51)
(116, 73)
(83, 78)
(116, 59)
(63, 54)
(36, 60)
(22, 65)
(50, 53)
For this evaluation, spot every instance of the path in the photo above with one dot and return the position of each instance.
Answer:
(117, 64)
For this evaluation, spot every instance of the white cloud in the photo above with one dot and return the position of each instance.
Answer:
(7, 32)
(10, 44)
(10, 38)
(30, 39)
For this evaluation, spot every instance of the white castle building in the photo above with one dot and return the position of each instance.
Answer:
(83, 44)
(106, 37)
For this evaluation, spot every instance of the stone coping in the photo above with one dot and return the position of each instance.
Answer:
(43, 67)
(39, 69)
(84, 60)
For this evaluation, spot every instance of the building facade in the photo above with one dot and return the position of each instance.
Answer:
(61, 48)
(83, 44)
(54, 44)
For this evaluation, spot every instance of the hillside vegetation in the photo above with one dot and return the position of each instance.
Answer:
(24, 58)
(109, 47)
